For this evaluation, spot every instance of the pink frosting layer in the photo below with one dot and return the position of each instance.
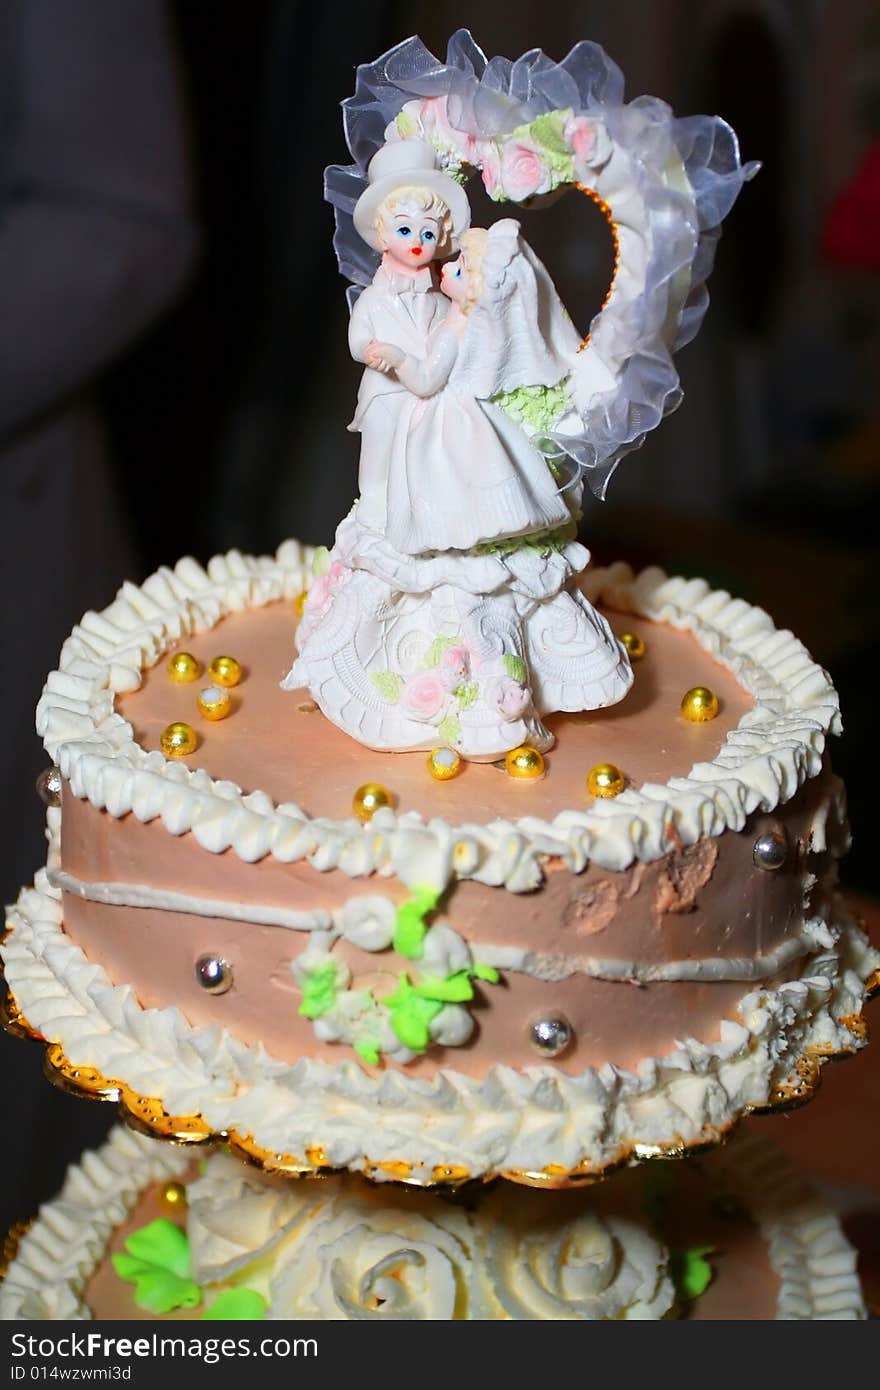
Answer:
(704, 901)
(278, 742)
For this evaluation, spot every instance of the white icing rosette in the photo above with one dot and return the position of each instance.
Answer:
(535, 1265)
(236, 1218)
(361, 1259)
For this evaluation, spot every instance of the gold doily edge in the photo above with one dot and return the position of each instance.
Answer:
(148, 1115)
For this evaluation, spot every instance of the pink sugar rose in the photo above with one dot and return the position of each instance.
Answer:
(455, 663)
(511, 698)
(490, 171)
(337, 575)
(523, 171)
(433, 117)
(424, 695)
(581, 136)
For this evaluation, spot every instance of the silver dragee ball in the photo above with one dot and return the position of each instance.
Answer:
(48, 786)
(550, 1036)
(214, 974)
(770, 851)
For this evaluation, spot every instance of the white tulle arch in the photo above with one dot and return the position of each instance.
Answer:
(529, 128)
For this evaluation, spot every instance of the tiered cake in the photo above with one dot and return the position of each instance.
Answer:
(593, 920)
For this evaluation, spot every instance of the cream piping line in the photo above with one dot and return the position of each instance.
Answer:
(513, 958)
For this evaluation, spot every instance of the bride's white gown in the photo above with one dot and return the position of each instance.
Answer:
(462, 623)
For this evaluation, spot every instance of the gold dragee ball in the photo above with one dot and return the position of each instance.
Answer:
(215, 702)
(183, 668)
(605, 780)
(172, 1195)
(178, 740)
(699, 704)
(524, 763)
(634, 644)
(444, 763)
(368, 799)
(225, 670)
(299, 603)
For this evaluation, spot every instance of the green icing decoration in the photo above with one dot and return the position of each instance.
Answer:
(538, 407)
(454, 989)
(319, 990)
(515, 668)
(544, 542)
(388, 685)
(156, 1260)
(466, 694)
(321, 561)
(410, 929)
(449, 729)
(691, 1271)
(369, 1051)
(410, 1014)
(437, 648)
(547, 130)
(486, 972)
(237, 1305)
(407, 124)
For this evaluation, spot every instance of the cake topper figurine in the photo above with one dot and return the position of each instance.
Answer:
(448, 611)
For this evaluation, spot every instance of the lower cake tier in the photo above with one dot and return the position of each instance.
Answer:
(142, 1230)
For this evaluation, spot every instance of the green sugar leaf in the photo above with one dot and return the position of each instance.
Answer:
(691, 1271)
(486, 972)
(547, 130)
(410, 928)
(515, 668)
(157, 1261)
(466, 694)
(237, 1305)
(437, 648)
(410, 1015)
(319, 990)
(321, 561)
(449, 730)
(388, 685)
(369, 1051)
(454, 989)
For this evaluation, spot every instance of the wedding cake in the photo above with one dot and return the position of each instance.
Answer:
(443, 856)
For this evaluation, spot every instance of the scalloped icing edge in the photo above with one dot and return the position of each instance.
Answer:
(47, 1277)
(514, 1123)
(64, 1245)
(776, 747)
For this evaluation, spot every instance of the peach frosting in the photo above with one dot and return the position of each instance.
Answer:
(651, 882)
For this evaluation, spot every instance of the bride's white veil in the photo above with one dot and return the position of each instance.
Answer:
(518, 333)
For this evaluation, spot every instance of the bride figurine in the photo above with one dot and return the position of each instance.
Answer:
(447, 612)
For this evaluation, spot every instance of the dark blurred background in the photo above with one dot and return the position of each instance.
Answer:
(173, 366)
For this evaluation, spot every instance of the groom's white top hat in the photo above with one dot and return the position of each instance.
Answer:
(407, 164)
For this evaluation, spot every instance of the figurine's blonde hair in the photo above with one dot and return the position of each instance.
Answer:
(412, 199)
(473, 248)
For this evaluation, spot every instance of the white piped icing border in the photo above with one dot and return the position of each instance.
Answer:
(508, 1120)
(815, 1262)
(776, 747)
(62, 1249)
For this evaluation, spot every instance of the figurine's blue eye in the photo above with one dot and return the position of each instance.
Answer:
(428, 236)
(404, 231)
(458, 273)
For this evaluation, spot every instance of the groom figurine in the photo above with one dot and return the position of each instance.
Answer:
(412, 213)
